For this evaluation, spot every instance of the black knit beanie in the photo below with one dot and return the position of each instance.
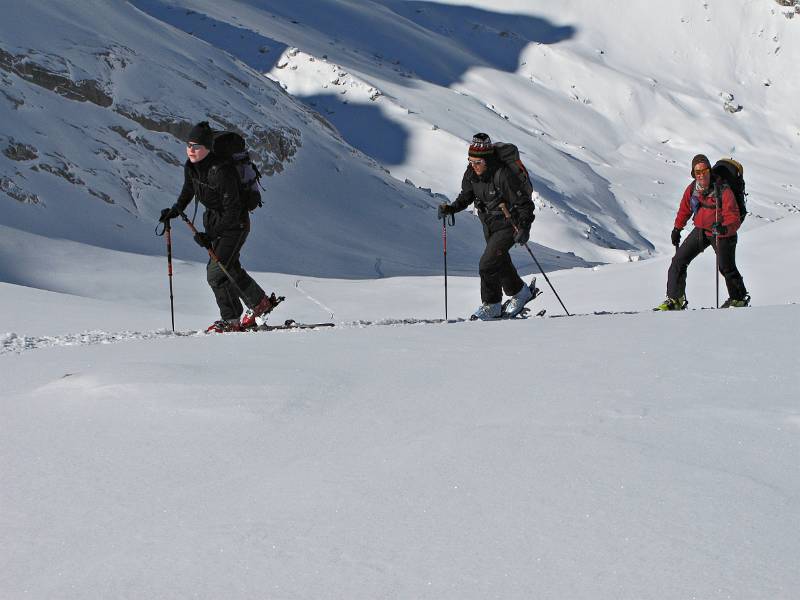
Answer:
(202, 134)
(700, 158)
(481, 146)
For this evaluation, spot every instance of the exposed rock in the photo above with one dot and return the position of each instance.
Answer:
(728, 103)
(121, 131)
(62, 171)
(108, 152)
(162, 124)
(17, 193)
(270, 148)
(102, 195)
(168, 158)
(162, 154)
(18, 151)
(85, 90)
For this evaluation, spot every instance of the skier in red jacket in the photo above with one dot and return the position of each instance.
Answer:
(716, 218)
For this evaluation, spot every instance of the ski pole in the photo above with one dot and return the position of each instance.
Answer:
(216, 259)
(168, 233)
(444, 252)
(716, 247)
(716, 239)
(507, 214)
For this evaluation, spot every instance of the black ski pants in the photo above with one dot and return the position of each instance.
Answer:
(497, 272)
(694, 244)
(227, 248)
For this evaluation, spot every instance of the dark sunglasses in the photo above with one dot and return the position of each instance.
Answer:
(193, 146)
(701, 172)
(476, 161)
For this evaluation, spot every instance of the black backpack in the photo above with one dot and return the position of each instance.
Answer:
(232, 149)
(732, 173)
(508, 154)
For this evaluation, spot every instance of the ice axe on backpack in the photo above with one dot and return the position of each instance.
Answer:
(507, 214)
(215, 258)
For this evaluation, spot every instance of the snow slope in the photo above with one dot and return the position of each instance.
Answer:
(607, 101)
(631, 456)
(91, 116)
(597, 99)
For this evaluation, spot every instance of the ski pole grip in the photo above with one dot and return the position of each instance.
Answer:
(507, 214)
(211, 253)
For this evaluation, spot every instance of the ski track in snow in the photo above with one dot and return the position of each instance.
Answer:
(15, 343)
(312, 299)
(11, 342)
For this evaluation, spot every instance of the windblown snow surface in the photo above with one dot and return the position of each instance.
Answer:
(639, 455)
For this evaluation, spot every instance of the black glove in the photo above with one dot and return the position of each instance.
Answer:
(676, 237)
(202, 239)
(444, 210)
(719, 229)
(523, 234)
(169, 213)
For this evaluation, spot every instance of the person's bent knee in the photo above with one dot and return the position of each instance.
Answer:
(214, 276)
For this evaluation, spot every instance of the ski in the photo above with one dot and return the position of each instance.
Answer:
(407, 321)
(520, 316)
(292, 324)
(599, 313)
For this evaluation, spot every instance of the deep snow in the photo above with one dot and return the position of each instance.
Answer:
(628, 456)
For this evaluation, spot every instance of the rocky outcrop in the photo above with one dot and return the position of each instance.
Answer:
(13, 190)
(133, 119)
(24, 66)
(19, 151)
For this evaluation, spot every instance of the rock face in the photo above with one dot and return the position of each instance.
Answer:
(14, 191)
(271, 147)
(97, 100)
(27, 67)
(107, 112)
(19, 152)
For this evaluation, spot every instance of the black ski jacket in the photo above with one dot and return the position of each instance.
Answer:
(496, 186)
(216, 187)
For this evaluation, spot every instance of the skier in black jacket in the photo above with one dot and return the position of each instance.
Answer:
(488, 183)
(227, 223)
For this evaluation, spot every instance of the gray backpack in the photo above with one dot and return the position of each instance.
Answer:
(508, 154)
(231, 147)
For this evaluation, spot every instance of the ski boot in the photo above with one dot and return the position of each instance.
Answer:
(223, 326)
(734, 303)
(672, 304)
(488, 312)
(515, 305)
(264, 306)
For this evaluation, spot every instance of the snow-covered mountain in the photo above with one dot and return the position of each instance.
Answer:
(607, 103)
(642, 455)
(607, 107)
(94, 118)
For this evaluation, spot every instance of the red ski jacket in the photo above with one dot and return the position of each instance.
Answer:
(702, 206)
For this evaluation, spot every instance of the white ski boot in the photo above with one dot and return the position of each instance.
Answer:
(516, 304)
(488, 312)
